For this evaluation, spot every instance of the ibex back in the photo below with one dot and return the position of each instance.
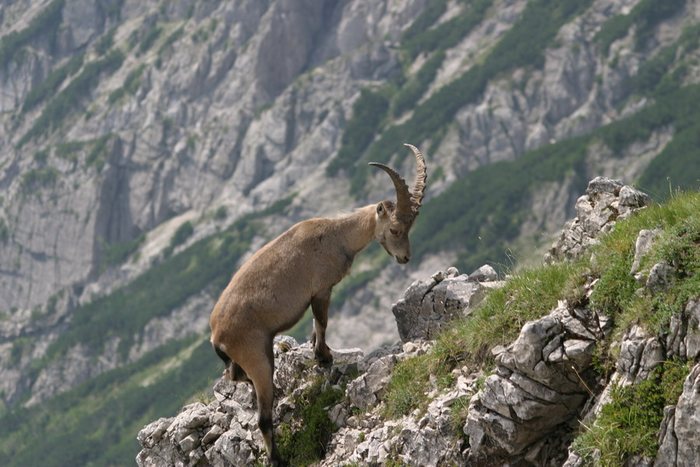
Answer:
(271, 291)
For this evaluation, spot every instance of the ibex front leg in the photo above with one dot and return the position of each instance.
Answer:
(319, 306)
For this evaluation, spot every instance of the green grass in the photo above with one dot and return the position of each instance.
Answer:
(679, 245)
(628, 425)
(528, 295)
(96, 423)
(304, 440)
(532, 293)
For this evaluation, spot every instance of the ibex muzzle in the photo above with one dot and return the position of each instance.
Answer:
(272, 289)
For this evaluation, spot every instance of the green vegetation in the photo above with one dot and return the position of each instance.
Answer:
(447, 34)
(629, 423)
(65, 102)
(105, 42)
(96, 423)
(37, 179)
(368, 112)
(117, 253)
(4, 231)
(411, 92)
(644, 16)
(615, 294)
(432, 12)
(207, 263)
(221, 213)
(52, 83)
(149, 39)
(522, 46)
(41, 157)
(170, 40)
(97, 157)
(528, 295)
(46, 22)
(532, 293)
(130, 86)
(499, 194)
(306, 443)
(180, 236)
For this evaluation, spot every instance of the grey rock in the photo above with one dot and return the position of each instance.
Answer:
(660, 277)
(213, 434)
(484, 273)
(633, 199)
(642, 246)
(679, 442)
(539, 386)
(606, 200)
(366, 390)
(683, 339)
(640, 353)
(427, 306)
(188, 443)
(602, 186)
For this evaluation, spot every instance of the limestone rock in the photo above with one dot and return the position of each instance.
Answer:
(679, 441)
(643, 244)
(606, 200)
(483, 274)
(428, 305)
(660, 277)
(540, 384)
(640, 353)
(683, 339)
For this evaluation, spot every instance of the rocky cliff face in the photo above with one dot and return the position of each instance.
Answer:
(525, 411)
(135, 132)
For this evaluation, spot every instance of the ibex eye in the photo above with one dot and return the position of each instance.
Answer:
(394, 231)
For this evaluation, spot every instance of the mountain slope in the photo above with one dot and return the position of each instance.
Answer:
(148, 147)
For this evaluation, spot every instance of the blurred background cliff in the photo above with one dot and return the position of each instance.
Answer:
(147, 147)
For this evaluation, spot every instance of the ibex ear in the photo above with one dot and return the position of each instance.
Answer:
(381, 210)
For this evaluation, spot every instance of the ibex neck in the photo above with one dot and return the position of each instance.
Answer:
(359, 227)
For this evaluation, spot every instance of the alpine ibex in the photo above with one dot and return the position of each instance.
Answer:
(272, 289)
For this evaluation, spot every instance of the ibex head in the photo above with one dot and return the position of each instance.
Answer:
(394, 220)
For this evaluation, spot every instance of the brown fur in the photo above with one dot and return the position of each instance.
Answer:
(271, 291)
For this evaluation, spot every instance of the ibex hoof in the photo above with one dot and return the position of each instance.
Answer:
(325, 361)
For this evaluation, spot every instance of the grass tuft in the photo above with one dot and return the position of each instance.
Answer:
(628, 425)
(306, 442)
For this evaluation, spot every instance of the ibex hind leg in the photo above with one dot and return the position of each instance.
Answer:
(259, 364)
(233, 370)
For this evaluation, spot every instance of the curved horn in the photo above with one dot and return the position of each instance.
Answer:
(421, 176)
(403, 197)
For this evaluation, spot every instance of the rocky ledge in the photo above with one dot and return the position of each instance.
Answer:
(525, 412)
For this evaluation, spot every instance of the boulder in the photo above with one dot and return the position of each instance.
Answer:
(428, 305)
(605, 201)
(541, 382)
